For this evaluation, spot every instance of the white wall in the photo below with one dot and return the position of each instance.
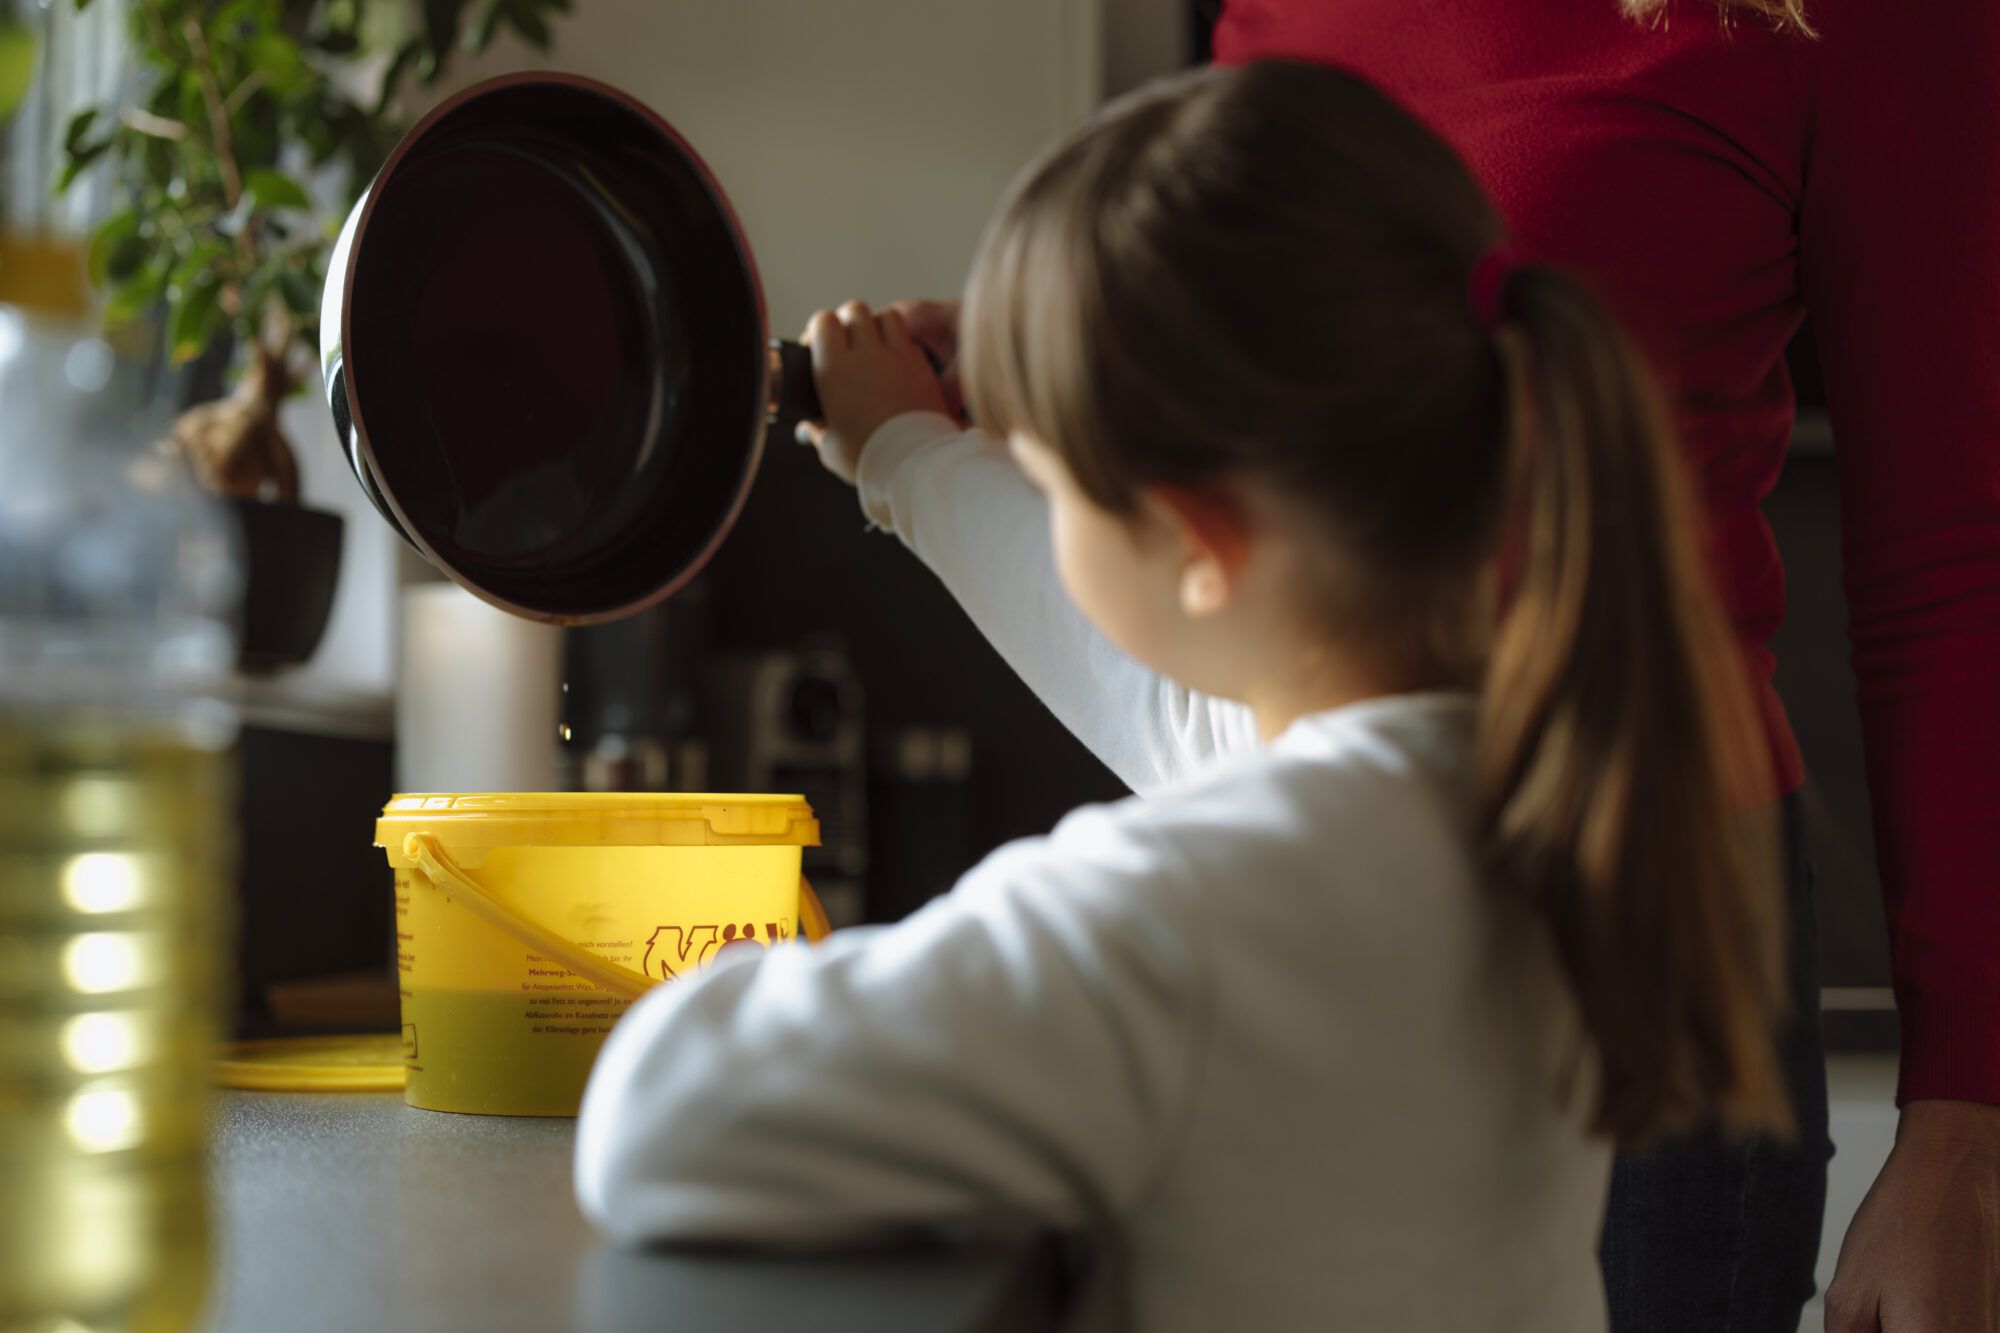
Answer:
(1143, 38)
(862, 142)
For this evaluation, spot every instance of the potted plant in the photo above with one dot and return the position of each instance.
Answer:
(234, 106)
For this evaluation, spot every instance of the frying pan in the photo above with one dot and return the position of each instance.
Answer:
(546, 350)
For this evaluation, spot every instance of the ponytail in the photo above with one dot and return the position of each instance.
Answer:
(1620, 756)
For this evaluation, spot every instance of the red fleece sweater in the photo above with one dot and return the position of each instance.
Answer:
(1715, 184)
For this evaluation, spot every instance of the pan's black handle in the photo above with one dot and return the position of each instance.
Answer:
(794, 395)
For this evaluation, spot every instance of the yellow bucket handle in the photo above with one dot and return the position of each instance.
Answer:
(430, 857)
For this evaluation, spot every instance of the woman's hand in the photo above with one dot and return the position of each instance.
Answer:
(1923, 1253)
(869, 369)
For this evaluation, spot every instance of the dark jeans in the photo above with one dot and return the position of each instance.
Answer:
(1705, 1236)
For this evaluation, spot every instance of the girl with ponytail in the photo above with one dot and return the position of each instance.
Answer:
(1383, 590)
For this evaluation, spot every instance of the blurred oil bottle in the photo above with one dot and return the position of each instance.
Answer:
(117, 589)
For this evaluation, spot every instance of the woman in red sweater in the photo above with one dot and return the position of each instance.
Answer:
(1717, 169)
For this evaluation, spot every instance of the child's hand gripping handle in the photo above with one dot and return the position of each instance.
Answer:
(794, 394)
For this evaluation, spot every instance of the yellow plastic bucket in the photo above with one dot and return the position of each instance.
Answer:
(527, 922)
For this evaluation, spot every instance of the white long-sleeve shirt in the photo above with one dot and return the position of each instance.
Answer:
(956, 499)
(1264, 1033)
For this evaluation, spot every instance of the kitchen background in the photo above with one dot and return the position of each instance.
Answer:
(863, 144)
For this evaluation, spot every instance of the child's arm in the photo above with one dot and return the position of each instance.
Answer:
(956, 499)
(1021, 1048)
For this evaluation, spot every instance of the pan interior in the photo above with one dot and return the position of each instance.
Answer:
(555, 350)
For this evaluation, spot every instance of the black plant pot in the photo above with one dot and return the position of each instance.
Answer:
(291, 559)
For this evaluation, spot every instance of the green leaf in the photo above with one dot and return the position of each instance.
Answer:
(115, 240)
(324, 127)
(441, 21)
(407, 58)
(159, 163)
(80, 162)
(79, 129)
(365, 155)
(125, 259)
(202, 265)
(135, 296)
(256, 288)
(280, 61)
(273, 189)
(242, 19)
(256, 128)
(300, 295)
(166, 98)
(192, 106)
(321, 142)
(17, 66)
(530, 25)
(485, 26)
(192, 325)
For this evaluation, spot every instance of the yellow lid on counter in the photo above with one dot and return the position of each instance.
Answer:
(363, 1062)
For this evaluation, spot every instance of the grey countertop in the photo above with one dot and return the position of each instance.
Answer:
(353, 1213)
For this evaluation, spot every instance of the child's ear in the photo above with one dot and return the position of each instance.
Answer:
(1214, 537)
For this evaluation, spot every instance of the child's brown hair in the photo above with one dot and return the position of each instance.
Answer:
(1261, 275)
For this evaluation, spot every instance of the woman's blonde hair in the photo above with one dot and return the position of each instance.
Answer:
(1261, 273)
(1781, 14)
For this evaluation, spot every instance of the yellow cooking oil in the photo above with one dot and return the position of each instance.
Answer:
(522, 1045)
(509, 1053)
(112, 874)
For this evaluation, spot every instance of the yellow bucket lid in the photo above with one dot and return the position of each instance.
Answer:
(475, 820)
(365, 1062)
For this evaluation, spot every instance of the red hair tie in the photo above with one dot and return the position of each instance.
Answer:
(1486, 292)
